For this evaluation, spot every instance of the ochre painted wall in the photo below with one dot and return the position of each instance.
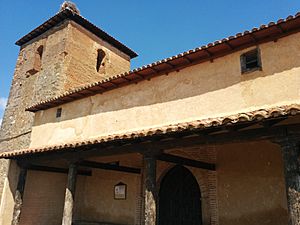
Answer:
(96, 199)
(251, 188)
(95, 194)
(205, 90)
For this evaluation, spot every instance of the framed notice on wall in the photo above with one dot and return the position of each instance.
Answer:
(120, 191)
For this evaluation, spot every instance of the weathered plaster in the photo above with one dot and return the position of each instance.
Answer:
(202, 91)
(251, 187)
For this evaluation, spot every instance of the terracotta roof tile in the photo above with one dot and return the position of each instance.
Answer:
(256, 115)
(212, 50)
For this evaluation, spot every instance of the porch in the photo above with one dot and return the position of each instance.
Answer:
(246, 172)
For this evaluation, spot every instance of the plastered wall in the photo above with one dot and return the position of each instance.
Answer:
(251, 188)
(206, 90)
(97, 203)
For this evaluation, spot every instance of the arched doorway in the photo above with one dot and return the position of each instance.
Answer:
(179, 198)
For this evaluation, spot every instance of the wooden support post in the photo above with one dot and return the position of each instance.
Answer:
(290, 153)
(150, 194)
(70, 195)
(19, 197)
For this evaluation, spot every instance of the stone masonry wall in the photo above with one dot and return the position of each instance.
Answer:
(80, 64)
(26, 89)
(59, 72)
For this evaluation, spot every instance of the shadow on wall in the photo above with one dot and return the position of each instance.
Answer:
(9, 189)
(262, 218)
(43, 198)
(199, 80)
(251, 187)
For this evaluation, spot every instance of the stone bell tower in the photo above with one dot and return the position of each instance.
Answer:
(65, 52)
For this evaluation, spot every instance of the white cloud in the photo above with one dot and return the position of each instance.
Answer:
(3, 102)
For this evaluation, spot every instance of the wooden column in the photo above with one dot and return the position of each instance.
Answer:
(70, 195)
(19, 197)
(150, 193)
(290, 153)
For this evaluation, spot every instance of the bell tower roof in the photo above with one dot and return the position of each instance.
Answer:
(69, 11)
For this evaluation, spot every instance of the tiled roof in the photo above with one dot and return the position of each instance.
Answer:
(68, 14)
(253, 116)
(264, 33)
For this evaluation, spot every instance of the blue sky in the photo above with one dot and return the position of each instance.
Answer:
(155, 29)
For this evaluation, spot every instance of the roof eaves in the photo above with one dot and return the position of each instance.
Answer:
(57, 18)
(68, 14)
(251, 116)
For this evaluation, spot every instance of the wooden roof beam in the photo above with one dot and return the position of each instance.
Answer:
(56, 170)
(125, 78)
(247, 135)
(154, 70)
(229, 45)
(186, 162)
(210, 55)
(188, 59)
(253, 37)
(90, 92)
(279, 27)
(139, 75)
(170, 65)
(114, 84)
(271, 123)
(107, 166)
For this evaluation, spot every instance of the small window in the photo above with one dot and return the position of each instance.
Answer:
(250, 61)
(58, 112)
(100, 60)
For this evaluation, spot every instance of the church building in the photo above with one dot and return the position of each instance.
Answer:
(210, 136)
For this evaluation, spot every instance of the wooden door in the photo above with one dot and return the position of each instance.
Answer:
(179, 198)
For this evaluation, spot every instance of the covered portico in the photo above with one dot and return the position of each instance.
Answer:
(151, 157)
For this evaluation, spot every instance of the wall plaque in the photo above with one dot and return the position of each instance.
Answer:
(120, 191)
